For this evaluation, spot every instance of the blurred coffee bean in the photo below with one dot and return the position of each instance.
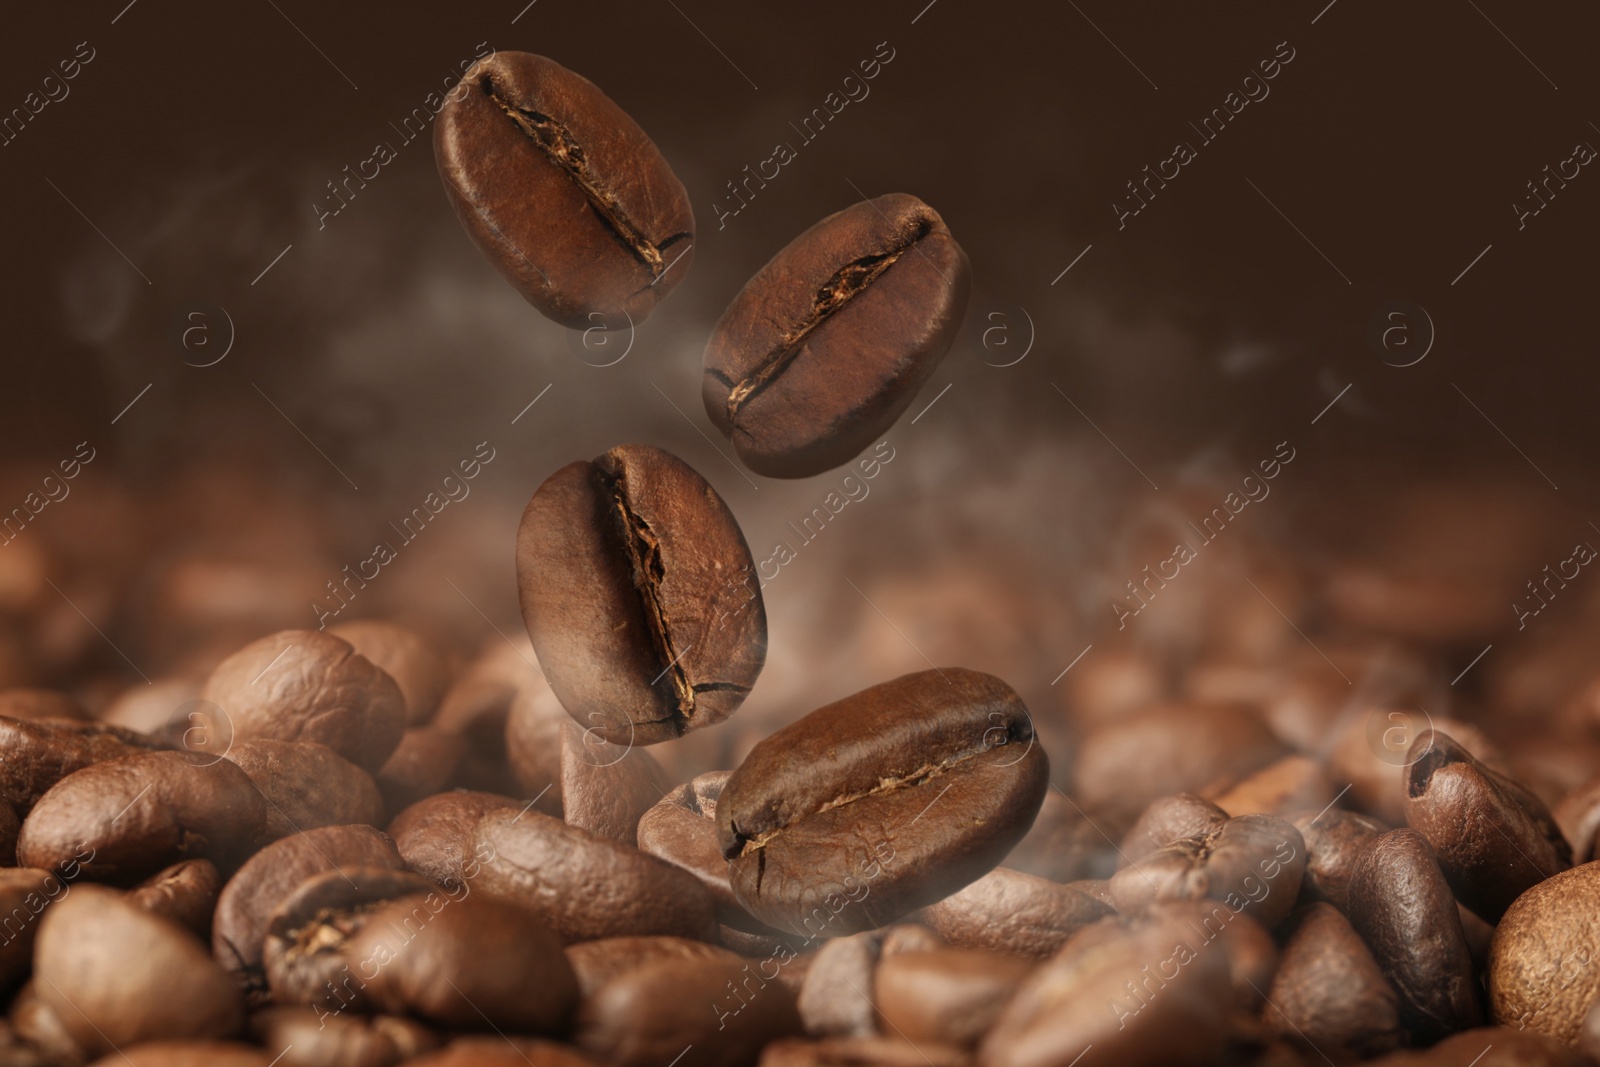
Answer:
(605, 788)
(43, 1037)
(861, 1052)
(1544, 961)
(185, 893)
(39, 753)
(476, 707)
(307, 785)
(503, 1052)
(1490, 1046)
(841, 821)
(30, 704)
(946, 996)
(1401, 905)
(435, 835)
(420, 766)
(25, 894)
(1289, 784)
(637, 1018)
(835, 999)
(1014, 913)
(828, 344)
(533, 729)
(1578, 816)
(1168, 820)
(586, 886)
(681, 828)
(302, 685)
(124, 819)
(116, 975)
(187, 1054)
(597, 962)
(1329, 993)
(1492, 837)
(1117, 680)
(155, 710)
(248, 900)
(1372, 751)
(562, 191)
(1334, 839)
(419, 667)
(1065, 842)
(307, 1040)
(10, 829)
(640, 595)
(1250, 863)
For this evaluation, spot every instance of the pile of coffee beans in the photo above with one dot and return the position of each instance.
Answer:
(1286, 838)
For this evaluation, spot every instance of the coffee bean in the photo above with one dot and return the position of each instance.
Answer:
(187, 1054)
(435, 835)
(946, 996)
(1015, 913)
(31, 704)
(301, 685)
(423, 764)
(502, 1052)
(1334, 839)
(44, 1038)
(562, 191)
(586, 886)
(39, 753)
(1578, 816)
(1065, 843)
(640, 596)
(827, 345)
(1492, 836)
(533, 745)
(1250, 863)
(1490, 1046)
(605, 788)
(835, 997)
(1168, 820)
(25, 894)
(1402, 907)
(185, 893)
(1544, 961)
(647, 1015)
(1329, 993)
(1373, 754)
(681, 828)
(246, 904)
(310, 1040)
(307, 785)
(597, 962)
(420, 669)
(841, 822)
(1281, 787)
(124, 819)
(861, 1052)
(116, 975)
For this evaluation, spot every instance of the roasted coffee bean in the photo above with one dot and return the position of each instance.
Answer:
(1490, 1046)
(562, 191)
(1578, 816)
(647, 1015)
(1289, 784)
(1168, 820)
(186, 893)
(420, 669)
(39, 753)
(301, 685)
(116, 975)
(827, 345)
(247, 902)
(307, 785)
(586, 886)
(25, 894)
(1329, 993)
(187, 1054)
(1401, 905)
(835, 995)
(1493, 838)
(605, 788)
(503, 1052)
(1544, 961)
(309, 1040)
(125, 819)
(39, 704)
(435, 835)
(1251, 863)
(1064, 844)
(681, 828)
(475, 708)
(533, 744)
(1015, 913)
(1334, 839)
(597, 962)
(423, 764)
(44, 1038)
(1373, 754)
(840, 822)
(860, 1052)
(947, 996)
(1588, 1042)
(640, 596)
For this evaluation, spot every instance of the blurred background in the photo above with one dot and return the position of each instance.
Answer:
(264, 386)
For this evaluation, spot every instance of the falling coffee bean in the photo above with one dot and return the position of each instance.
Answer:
(640, 595)
(827, 345)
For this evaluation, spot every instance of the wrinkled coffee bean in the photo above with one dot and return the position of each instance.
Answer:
(1493, 838)
(420, 669)
(39, 753)
(300, 685)
(307, 785)
(562, 191)
(1011, 912)
(123, 820)
(1168, 820)
(1334, 840)
(946, 996)
(640, 595)
(1403, 909)
(186, 893)
(586, 886)
(828, 344)
(840, 822)
(248, 900)
(434, 836)
(1250, 863)
(116, 975)
(1544, 961)
(308, 1040)
(647, 1015)
(681, 828)
(1329, 993)
(597, 962)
